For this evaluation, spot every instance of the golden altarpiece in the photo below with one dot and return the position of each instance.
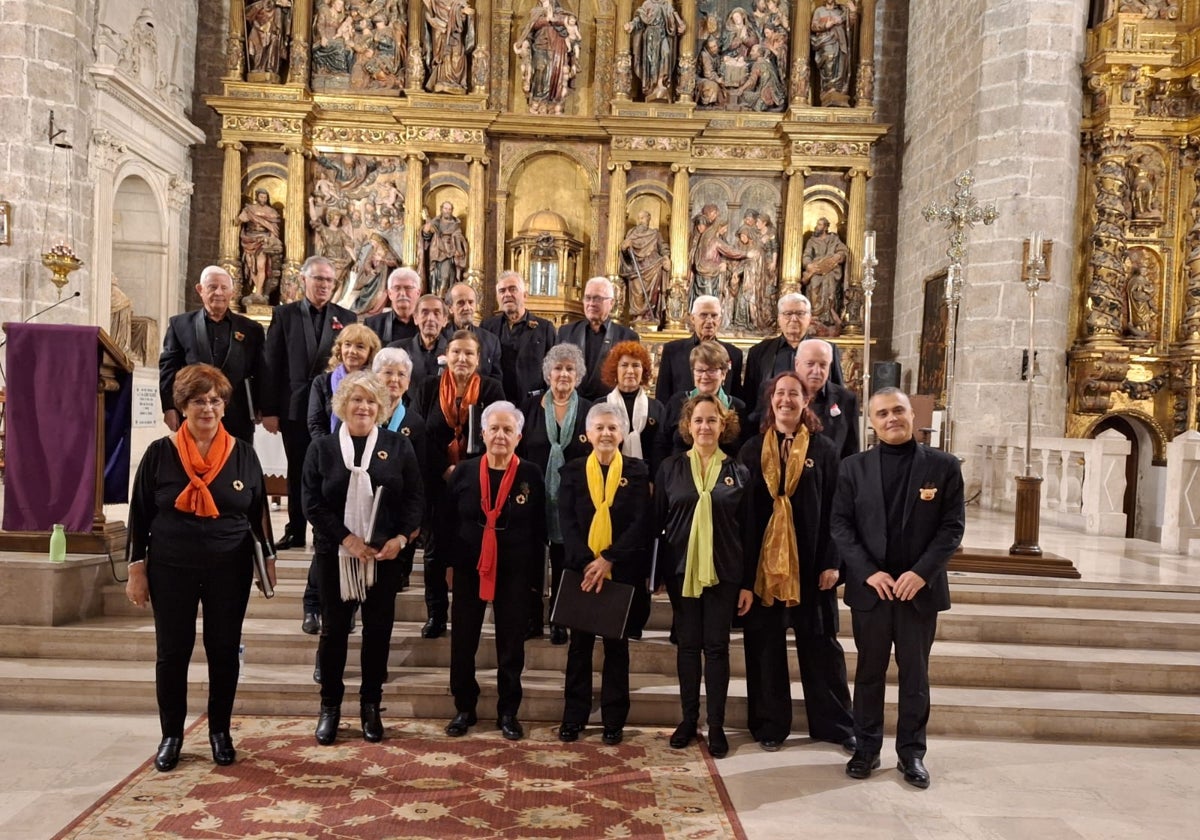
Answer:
(674, 146)
(1136, 324)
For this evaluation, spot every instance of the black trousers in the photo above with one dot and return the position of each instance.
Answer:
(378, 618)
(875, 632)
(510, 612)
(295, 444)
(614, 681)
(223, 588)
(437, 593)
(702, 625)
(537, 609)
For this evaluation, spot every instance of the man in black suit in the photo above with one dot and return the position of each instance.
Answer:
(773, 356)
(429, 344)
(215, 336)
(396, 323)
(297, 349)
(524, 340)
(898, 516)
(595, 335)
(835, 405)
(675, 367)
(461, 301)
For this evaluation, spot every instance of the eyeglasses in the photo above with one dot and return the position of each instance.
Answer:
(794, 315)
(595, 298)
(707, 372)
(206, 402)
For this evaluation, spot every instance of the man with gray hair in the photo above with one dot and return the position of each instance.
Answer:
(772, 356)
(675, 369)
(596, 334)
(396, 323)
(524, 340)
(462, 301)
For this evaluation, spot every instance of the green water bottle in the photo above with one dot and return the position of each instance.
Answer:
(58, 545)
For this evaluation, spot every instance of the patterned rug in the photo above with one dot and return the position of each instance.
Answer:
(417, 784)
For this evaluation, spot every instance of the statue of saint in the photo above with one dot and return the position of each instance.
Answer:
(832, 23)
(710, 86)
(646, 269)
(822, 261)
(1143, 313)
(268, 27)
(762, 90)
(710, 256)
(656, 28)
(120, 327)
(376, 259)
(449, 37)
(261, 245)
(333, 240)
(445, 251)
(549, 53)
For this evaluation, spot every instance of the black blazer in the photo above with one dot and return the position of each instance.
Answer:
(576, 333)
(320, 405)
(393, 466)
(670, 442)
(760, 367)
(934, 521)
(812, 504)
(534, 336)
(842, 427)
(675, 369)
(416, 351)
(390, 328)
(294, 355)
(631, 520)
(186, 343)
(489, 353)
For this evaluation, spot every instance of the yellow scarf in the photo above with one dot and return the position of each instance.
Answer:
(602, 493)
(778, 577)
(699, 572)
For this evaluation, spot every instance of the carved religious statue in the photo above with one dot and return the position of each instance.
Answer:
(548, 49)
(449, 39)
(762, 90)
(120, 327)
(656, 28)
(646, 269)
(742, 58)
(262, 247)
(360, 45)
(1144, 176)
(710, 256)
(445, 251)
(332, 239)
(833, 23)
(821, 280)
(1140, 295)
(268, 29)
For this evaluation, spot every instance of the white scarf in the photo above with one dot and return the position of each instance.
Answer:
(632, 446)
(357, 575)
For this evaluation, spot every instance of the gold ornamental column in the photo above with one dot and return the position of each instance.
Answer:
(616, 230)
(623, 76)
(681, 203)
(301, 32)
(792, 230)
(481, 59)
(476, 224)
(294, 215)
(800, 88)
(856, 227)
(414, 203)
(235, 47)
(231, 206)
(864, 90)
(686, 83)
(415, 57)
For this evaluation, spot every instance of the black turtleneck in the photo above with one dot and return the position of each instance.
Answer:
(895, 466)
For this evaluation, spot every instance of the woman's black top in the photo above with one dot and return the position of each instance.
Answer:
(535, 443)
(413, 428)
(656, 436)
(320, 405)
(392, 466)
(631, 519)
(673, 443)
(439, 433)
(675, 500)
(174, 537)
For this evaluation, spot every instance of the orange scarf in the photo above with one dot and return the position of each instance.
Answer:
(196, 498)
(456, 416)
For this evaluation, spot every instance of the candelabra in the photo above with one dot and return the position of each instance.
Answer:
(868, 287)
(1029, 486)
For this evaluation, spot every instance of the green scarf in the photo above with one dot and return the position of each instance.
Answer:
(699, 571)
(721, 395)
(560, 439)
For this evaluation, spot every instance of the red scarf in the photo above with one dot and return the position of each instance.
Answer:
(456, 416)
(488, 551)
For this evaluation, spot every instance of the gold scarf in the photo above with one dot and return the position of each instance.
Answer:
(699, 571)
(602, 492)
(778, 577)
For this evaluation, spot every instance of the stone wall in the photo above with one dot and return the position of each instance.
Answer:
(994, 86)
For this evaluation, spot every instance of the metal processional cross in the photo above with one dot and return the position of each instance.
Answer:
(964, 213)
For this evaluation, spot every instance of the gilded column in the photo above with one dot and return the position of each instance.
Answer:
(864, 91)
(476, 223)
(416, 58)
(792, 230)
(1189, 327)
(1107, 271)
(680, 228)
(231, 200)
(616, 232)
(623, 75)
(604, 57)
(856, 227)
(235, 46)
(502, 46)
(481, 59)
(414, 204)
(686, 83)
(800, 91)
(301, 32)
(294, 216)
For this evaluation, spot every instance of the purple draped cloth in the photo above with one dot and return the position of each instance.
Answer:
(50, 413)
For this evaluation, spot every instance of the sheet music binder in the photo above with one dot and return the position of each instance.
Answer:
(374, 518)
(474, 431)
(604, 613)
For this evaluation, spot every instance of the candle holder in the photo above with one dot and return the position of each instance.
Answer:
(1027, 526)
(868, 287)
(61, 261)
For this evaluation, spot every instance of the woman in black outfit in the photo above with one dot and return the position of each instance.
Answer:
(627, 369)
(793, 570)
(498, 503)
(605, 517)
(197, 504)
(356, 542)
(393, 366)
(700, 499)
(710, 364)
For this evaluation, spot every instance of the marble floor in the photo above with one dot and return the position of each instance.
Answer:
(53, 766)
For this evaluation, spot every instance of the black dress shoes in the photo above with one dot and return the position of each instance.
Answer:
(434, 628)
(718, 744)
(372, 726)
(353, 619)
(403, 582)
(914, 772)
(311, 624)
(317, 669)
(861, 765)
(850, 745)
(558, 635)
(568, 732)
(168, 754)
(289, 540)
(462, 722)
(613, 735)
(222, 748)
(510, 727)
(770, 745)
(327, 724)
(534, 631)
(683, 734)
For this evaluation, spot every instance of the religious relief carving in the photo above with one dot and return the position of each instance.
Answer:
(1106, 285)
(646, 269)
(1153, 9)
(1096, 381)
(823, 261)
(277, 125)
(743, 56)
(359, 45)
(1141, 295)
(623, 75)
(370, 136)
(711, 254)
(448, 41)
(1146, 179)
(548, 50)
(356, 212)
(833, 26)
(443, 251)
(262, 247)
(655, 29)
(1189, 327)
(636, 143)
(268, 31)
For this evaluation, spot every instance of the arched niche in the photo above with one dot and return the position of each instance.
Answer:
(551, 181)
(139, 259)
(1142, 504)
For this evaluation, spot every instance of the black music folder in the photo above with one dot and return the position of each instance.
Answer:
(602, 613)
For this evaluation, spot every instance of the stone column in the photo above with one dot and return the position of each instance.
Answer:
(685, 84)
(681, 224)
(476, 224)
(800, 91)
(416, 57)
(623, 76)
(856, 226)
(106, 153)
(414, 202)
(231, 200)
(295, 214)
(864, 90)
(235, 47)
(792, 231)
(179, 193)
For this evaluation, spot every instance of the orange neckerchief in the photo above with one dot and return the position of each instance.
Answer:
(456, 417)
(196, 498)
